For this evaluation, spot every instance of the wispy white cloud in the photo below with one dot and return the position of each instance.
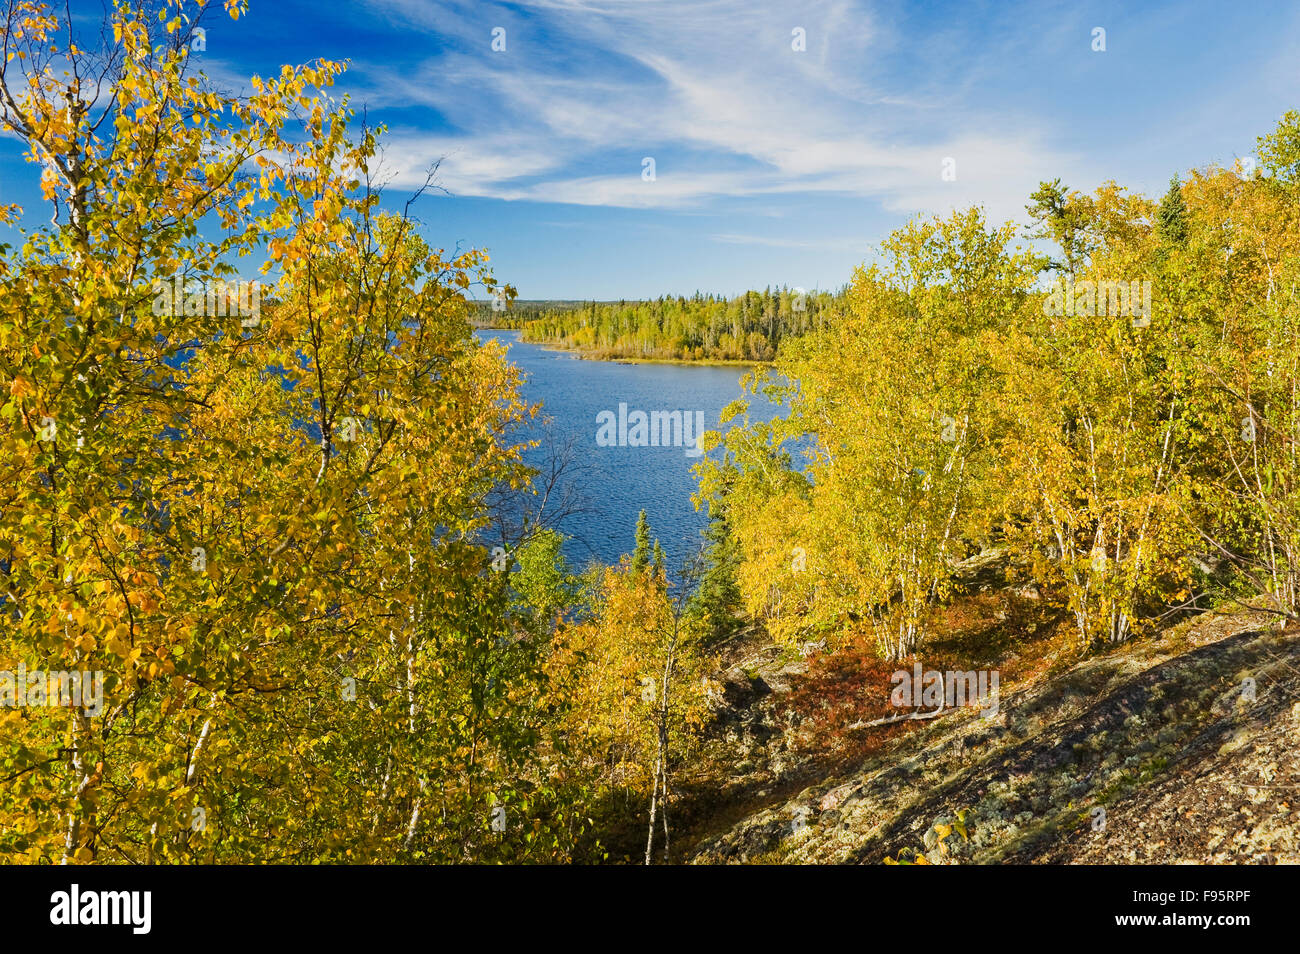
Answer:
(712, 89)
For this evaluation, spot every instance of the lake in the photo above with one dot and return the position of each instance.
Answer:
(614, 479)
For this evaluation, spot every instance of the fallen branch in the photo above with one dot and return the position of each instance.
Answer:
(907, 717)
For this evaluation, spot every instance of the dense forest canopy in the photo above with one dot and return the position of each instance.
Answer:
(748, 327)
(1136, 453)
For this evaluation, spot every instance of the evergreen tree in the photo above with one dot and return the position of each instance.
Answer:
(1063, 220)
(719, 597)
(1171, 223)
(641, 556)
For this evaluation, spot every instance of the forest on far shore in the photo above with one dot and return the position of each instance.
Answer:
(703, 327)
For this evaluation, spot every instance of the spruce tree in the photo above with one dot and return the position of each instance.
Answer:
(1171, 222)
(718, 597)
(641, 556)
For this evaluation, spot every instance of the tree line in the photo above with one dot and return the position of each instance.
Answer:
(748, 327)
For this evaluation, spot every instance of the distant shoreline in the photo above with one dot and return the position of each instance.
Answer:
(621, 359)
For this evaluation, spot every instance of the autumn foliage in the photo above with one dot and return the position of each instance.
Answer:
(1138, 453)
(269, 532)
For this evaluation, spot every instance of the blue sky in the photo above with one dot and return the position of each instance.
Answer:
(772, 166)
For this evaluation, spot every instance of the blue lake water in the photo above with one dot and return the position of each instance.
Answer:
(615, 483)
